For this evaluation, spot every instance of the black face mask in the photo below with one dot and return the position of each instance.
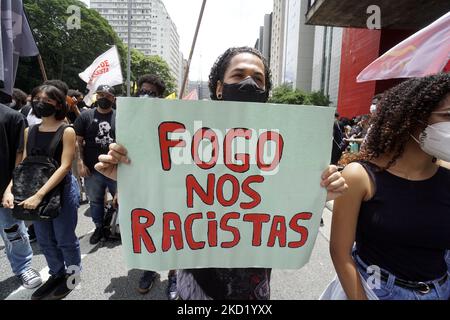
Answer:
(245, 91)
(104, 103)
(42, 109)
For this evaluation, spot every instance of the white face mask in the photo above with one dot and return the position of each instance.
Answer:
(435, 140)
(373, 108)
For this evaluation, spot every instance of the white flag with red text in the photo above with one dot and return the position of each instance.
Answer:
(105, 70)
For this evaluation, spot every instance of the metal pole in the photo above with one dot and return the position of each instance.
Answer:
(129, 51)
(192, 49)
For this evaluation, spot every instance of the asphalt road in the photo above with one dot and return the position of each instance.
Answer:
(105, 276)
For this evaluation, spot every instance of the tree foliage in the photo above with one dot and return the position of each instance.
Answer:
(284, 94)
(141, 64)
(66, 53)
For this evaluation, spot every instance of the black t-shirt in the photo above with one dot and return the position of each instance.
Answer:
(71, 116)
(234, 283)
(98, 131)
(12, 126)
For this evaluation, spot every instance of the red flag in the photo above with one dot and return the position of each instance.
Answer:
(193, 95)
(425, 53)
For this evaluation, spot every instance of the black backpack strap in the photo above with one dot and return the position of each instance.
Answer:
(56, 140)
(31, 139)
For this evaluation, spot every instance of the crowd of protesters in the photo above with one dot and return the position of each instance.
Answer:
(393, 174)
(28, 125)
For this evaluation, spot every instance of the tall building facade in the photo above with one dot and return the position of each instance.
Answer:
(303, 56)
(327, 61)
(361, 44)
(264, 42)
(298, 46)
(277, 41)
(153, 31)
(202, 89)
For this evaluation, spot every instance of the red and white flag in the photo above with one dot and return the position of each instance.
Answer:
(193, 95)
(105, 70)
(424, 53)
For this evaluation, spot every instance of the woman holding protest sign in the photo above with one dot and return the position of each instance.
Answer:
(240, 74)
(397, 206)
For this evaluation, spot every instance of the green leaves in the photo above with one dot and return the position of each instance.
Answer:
(284, 94)
(66, 53)
(141, 65)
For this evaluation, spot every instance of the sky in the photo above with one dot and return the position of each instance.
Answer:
(226, 23)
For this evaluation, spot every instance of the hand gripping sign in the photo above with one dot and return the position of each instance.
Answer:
(221, 184)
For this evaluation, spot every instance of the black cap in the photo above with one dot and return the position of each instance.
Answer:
(106, 89)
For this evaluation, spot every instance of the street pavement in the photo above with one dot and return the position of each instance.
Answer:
(105, 276)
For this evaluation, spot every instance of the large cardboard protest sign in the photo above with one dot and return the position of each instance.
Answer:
(221, 184)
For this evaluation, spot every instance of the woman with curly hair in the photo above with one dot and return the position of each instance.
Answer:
(240, 74)
(397, 208)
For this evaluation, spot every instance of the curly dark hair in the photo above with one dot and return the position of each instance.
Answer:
(402, 110)
(154, 80)
(223, 62)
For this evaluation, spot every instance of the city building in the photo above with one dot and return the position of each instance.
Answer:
(361, 45)
(202, 89)
(304, 57)
(298, 49)
(263, 44)
(277, 41)
(153, 31)
(327, 61)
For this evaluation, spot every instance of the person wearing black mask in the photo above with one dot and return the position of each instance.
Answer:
(150, 86)
(56, 237)
(240, 74)
(95, 129)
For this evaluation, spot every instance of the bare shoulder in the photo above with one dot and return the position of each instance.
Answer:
(354, 171)
(69, 131)
(357, 179)
(69, 134)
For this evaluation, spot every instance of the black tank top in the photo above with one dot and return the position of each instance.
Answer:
(405, 227)
(41, 145)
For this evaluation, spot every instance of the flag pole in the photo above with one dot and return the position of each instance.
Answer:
(42, 67)
(194, 41)
(129, 51)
